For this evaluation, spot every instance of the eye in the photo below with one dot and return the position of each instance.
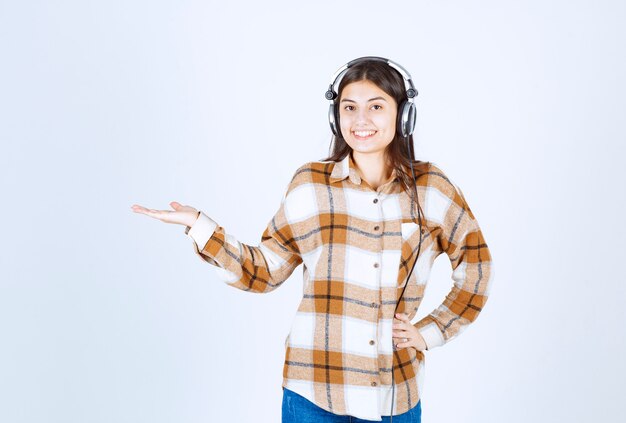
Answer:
(377, 105)
(346, 108)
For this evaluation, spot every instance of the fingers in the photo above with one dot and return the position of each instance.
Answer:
(400, 337)
(180, 207)
(181, 215)
(141, 209)
(403, 332)
(402, 342)
(157, 214)
(400, 321)
(399, 329)
(138, 209)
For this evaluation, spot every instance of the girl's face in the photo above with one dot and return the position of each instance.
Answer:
(367, 117)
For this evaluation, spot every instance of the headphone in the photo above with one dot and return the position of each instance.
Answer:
(406, 110)
(406, 125)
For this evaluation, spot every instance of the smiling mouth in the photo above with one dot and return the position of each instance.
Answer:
(363, 135)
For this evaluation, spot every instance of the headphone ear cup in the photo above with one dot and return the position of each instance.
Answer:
(412, 115)
(406, 118)
(401, 125)
(337, 124)
(332, 118)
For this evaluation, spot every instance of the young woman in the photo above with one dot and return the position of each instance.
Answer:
(360, 221)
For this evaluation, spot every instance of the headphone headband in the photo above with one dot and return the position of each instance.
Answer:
(331, 94)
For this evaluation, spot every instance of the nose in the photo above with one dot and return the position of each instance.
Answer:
(362, 116)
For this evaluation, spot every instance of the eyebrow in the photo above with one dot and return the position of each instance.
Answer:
(371, 99)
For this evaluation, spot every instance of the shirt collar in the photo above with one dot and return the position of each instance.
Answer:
(346, 168)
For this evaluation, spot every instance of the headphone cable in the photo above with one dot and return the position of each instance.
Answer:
(419, 219)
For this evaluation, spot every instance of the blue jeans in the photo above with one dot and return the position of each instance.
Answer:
(297, 409)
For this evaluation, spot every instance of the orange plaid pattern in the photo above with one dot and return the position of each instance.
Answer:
(357, 245)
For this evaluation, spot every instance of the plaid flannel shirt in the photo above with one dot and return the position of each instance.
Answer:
(358, 245)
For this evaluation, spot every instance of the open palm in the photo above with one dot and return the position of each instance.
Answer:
(181, 215)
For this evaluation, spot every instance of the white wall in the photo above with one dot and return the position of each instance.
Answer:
(108, 316)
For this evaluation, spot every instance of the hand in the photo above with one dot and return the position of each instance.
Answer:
(404, 329)
(182, 215)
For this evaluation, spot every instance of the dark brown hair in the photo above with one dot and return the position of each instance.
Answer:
(388, 79)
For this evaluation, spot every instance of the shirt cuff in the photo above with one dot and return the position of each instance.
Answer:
(202, 229)
(432, 336)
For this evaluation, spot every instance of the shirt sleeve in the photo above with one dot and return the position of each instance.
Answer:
(257, 268)
(461, 238)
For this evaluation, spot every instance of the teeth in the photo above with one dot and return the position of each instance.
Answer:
(364, 133)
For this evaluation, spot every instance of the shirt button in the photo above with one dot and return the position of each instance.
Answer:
(373, 383)
(375, 200)
(375, 264)
(372, 342)
(376, 228)
(373, 304)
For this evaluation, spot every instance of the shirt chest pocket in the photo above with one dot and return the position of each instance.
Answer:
(408, 229)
